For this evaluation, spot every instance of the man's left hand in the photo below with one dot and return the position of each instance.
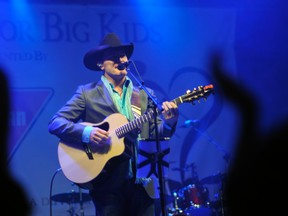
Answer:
(170, 113)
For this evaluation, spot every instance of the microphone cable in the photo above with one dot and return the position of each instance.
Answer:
(51, 186)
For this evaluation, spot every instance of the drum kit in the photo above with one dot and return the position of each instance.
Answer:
(72, 198)
(194, 199)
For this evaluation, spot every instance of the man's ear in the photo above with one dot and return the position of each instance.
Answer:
(100, 66)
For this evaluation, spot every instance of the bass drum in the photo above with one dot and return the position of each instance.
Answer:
(198, 211)
(193, 197)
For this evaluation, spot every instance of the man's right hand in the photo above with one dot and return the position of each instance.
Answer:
(98, 136)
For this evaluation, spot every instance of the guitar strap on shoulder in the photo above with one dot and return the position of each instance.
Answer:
(138, 101)
(135, 102)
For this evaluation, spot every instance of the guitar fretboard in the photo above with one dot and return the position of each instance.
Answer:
(136, 123)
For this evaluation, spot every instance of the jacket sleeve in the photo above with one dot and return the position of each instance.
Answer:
(65, 123)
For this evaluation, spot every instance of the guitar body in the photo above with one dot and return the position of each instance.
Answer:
(74, 161)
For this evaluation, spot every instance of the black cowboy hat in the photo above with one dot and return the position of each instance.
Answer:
(110, 42)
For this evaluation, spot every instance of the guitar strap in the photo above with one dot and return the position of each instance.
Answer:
(137, 97)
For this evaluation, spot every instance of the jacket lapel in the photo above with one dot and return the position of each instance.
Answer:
(107, 97)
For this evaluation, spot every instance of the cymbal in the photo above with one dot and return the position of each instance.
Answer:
(72, 197)
(213, 179)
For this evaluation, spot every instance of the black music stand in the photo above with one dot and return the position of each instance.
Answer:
(148, 155)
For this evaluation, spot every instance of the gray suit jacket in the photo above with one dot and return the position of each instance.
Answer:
(92, 103)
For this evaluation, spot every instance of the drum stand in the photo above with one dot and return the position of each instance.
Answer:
(176, 211)
(81, 202)
(222, 199)
(72, 202)
(74, 199)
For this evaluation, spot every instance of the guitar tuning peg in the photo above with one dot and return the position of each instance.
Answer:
(188, 91)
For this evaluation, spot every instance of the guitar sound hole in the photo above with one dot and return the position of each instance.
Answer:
(101, 149)
(104, 126)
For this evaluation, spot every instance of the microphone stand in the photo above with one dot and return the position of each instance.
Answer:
(156, 108)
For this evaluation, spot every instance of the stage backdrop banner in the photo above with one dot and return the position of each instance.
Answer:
(42, 49)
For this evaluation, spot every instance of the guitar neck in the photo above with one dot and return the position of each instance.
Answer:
(190, 96)
(178, 100)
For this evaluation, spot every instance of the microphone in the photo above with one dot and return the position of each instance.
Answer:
(122, 66)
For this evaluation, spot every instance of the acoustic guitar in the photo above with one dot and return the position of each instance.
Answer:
(83, 163)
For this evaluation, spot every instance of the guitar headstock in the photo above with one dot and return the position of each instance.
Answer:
(197, 94)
